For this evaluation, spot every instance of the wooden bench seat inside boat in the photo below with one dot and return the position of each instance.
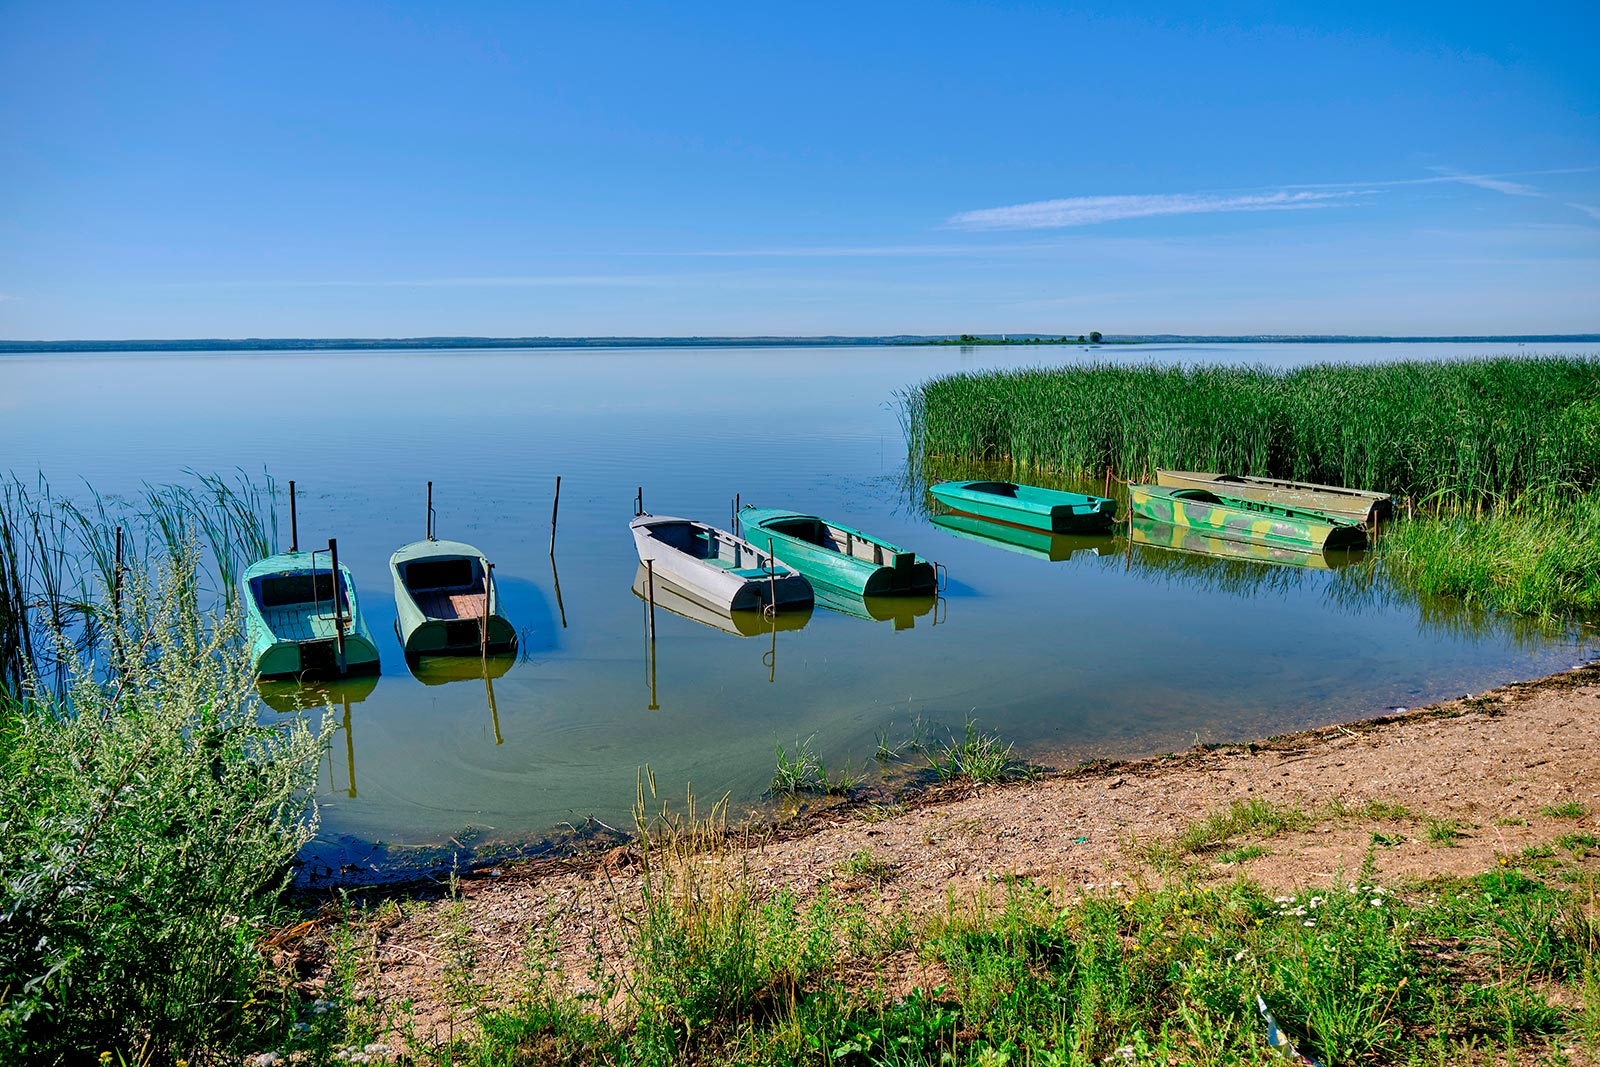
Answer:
(447, 588)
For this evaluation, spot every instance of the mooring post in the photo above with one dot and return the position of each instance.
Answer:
(116, 582)
(429, 518)
(738, 523)
(338, 613)
(294, 521)
(555, 508)
(638, 502)
(488, 607)
(772, 579)
(349, 745)
(650, 594)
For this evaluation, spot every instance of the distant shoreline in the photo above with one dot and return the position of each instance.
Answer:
(348, 344)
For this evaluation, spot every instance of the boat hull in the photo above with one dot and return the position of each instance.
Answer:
(1349, 505)
(742, 623)
(1244, 520)
(447, 617)
(1024, 541)
(292, 637)
(723, 572)
(839, 556)
(1051, 510)
(1187, 539)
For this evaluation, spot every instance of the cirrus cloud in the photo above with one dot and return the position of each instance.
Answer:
(1090, 210)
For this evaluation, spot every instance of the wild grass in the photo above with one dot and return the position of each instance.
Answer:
(1485, 969)
(1567, 809)
(149, 822)
(1470, 432)
(975, 756)
(1539, 558)
(1446, 832)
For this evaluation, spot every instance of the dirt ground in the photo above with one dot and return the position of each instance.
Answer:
(1492, 763)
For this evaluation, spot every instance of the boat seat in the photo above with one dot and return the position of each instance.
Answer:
(451, 604)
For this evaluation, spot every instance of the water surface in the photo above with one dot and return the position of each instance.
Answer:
(1072, 650)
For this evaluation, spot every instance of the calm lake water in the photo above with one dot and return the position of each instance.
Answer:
(1105, 652)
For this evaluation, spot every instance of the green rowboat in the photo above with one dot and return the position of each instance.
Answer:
(1238, 519)
(295, 626)
(1026, 542)
(448, 601)
(838, 556)
(1027, 505)
(903, 611)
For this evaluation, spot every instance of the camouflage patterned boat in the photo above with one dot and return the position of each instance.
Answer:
(1335, 501)
(1027, 505)
(1245, 520)
(838, 555)
(1205, 543)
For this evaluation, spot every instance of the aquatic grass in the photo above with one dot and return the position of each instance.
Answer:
(1467, 432)
(976, 757)
(801, 773)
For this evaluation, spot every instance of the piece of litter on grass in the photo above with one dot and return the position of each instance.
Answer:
(1081, 841)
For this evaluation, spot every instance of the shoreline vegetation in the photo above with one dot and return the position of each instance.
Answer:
(331, 344)
(1496, 462)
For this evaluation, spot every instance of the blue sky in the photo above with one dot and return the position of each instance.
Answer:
(361, 169)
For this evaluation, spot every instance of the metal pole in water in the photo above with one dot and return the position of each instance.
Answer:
(429, 518)
(650, 594)
(338, 613)
(555, 508)
(488, 594)
(294, 521)
(638, 502)
(772, 580)
(738, 530)
(349, 748)
(116, 582)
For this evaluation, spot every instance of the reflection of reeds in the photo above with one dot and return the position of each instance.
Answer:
(58, 557)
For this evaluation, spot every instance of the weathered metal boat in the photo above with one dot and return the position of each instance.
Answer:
(839, 556)
(1335, 501)
(448, 601)
(725, 572)
(669, 597)
(302, 621)
(1240, 519)
(1053, 510)
(1039, 544)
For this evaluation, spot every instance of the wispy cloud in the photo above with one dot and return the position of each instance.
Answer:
(495, 281)
(1089, 210)
(1493, 182)
(1591, 211)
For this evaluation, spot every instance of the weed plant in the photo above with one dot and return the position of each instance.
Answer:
(149, 822)
(974, 757)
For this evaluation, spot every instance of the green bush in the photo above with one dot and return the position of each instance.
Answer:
(147, 822)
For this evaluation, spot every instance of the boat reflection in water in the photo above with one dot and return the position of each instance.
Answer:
(903, 610)
(1143, 531)
(442, 670)
(1024, 541)
(656, 592)
(289, 697)
(681, 602)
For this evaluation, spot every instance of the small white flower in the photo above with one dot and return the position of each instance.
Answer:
(1309, 922)
(1316, 902)
(1375, 902)
(1241, 954)
(1283, 900)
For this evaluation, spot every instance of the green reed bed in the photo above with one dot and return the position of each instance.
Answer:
(1471, 432)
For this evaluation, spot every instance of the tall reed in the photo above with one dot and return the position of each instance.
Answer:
(58, 565)
(1470, 432)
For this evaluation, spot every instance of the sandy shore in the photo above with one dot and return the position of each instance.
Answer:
(1492, 763)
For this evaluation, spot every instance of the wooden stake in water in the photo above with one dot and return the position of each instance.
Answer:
(338, 612)
(116, 582)
(294, 521)
(488, 595)
(429, 519)
(555, 508)
(772, 580)
(638, 502)
(738, 526)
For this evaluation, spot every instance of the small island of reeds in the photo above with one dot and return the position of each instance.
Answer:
(1496, 461)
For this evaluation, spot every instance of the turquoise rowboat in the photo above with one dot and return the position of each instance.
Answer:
(296, 627)
(1027, 505)
(1239, 519)
(448, 601)
(838, 556)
